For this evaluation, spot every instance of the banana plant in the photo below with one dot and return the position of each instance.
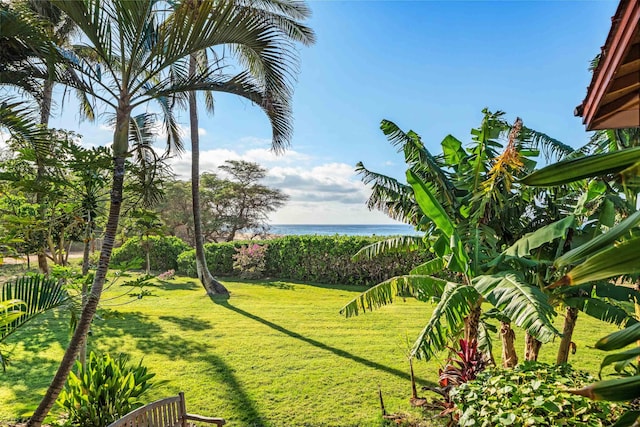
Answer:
(469, 206)
(607, 256)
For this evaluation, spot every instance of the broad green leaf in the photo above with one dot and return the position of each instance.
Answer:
(601, 310)
(599, 242)
(432, 209)
(619, 389)
(584, 167)
(430, 267)
(628, 419)
(524, 304)
(610, 262)
(620, 339)
(420, 287)
(430, 205)
(452, 150)
(446, 320)
(607, 215)
(631, 354)
(547, 234)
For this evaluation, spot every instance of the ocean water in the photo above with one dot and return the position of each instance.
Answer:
(343, 229)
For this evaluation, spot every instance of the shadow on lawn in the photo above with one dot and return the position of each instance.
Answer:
(218, 372)
(170, 285)
(224, 302)
(188, 324)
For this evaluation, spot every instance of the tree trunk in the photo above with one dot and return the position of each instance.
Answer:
(472, 323)
(509, 355)
(148, 257)
(531, 347)
(570, 318)
(211, 285)
(91, 306)
(45, 113)
(85, 255)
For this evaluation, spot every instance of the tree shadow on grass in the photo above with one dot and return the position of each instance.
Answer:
(27, 382)
(188, 324)
(224, 302)
(171, 286)
(176, 347)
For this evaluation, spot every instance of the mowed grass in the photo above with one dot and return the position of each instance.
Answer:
(274, 354)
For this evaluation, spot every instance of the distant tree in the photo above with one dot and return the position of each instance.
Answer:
(230, 204)
(242, 202)
(175, 209)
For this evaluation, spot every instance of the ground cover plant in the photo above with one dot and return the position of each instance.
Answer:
(299, 362)
(532, 394)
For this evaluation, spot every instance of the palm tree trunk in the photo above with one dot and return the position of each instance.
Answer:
(93, 298)
(45, 113)
(570, 318)
(509, 355)
(531, 347)
(211, 285)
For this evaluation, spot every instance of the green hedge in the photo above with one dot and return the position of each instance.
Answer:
(323, 259)
(163, 255)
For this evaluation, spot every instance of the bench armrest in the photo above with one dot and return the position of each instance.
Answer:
(200, 418)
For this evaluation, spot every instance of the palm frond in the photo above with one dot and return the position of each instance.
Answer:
(551, 148)
(420, 287)
(400, 244)
(446, 320)
(524, 304)
(38, 294)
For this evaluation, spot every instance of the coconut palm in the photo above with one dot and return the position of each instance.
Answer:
(273, 72)
(139, 52)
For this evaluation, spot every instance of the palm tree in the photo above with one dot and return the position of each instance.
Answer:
(136, 47)
(273, 72)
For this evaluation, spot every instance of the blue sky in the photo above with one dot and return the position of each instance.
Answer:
(428, 66)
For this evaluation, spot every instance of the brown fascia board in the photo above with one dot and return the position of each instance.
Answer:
(624, 24)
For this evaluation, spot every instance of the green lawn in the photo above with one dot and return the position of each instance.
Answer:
(275, 354)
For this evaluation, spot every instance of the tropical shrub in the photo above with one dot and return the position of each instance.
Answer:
(163, 252)
(249, 261)
(531, 394)
(105, 390)
(323, 259)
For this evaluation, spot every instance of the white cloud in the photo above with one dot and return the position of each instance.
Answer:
(320, 193)
(202, 131)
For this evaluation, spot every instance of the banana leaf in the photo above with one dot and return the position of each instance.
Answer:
(584, 167)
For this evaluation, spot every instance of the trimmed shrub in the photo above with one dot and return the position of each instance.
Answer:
(323, 259)
(163, 254)
(532, 394)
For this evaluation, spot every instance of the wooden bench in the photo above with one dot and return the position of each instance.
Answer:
(169, 412)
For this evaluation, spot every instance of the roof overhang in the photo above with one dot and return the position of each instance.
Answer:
(613, 97)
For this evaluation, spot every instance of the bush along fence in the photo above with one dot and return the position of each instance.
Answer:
(323, 259)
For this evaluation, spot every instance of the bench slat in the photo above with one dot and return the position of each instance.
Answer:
(168, 412)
